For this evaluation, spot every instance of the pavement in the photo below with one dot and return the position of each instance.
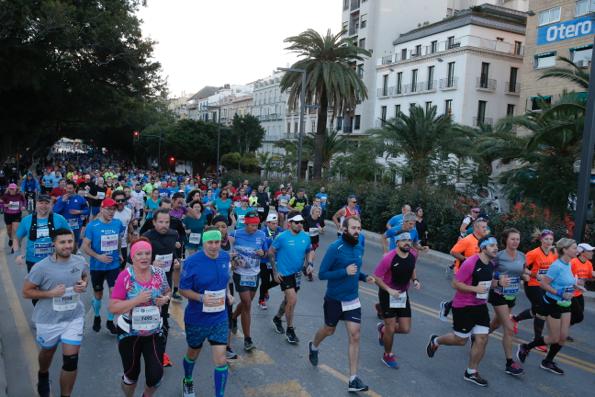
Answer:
(276, 368)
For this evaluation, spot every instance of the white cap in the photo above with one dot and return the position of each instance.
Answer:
(582, 247)
(272, 217)
(296, 218)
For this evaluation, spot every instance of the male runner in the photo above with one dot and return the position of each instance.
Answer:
(124, 215)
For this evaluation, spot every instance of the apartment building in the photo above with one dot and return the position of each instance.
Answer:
(232, 105)
(555, 28)
(466, 65)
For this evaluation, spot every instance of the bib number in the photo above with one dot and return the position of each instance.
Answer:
(43, 232)
(248, 281)
(14, 205)
(512, 290)
(241, 218)
(145, 318)
(109, 243)
(194, 238)
(218, 305)
(313, 231)
(167, 261)
(100, 195)
(351, 305)
(66, 302)
(43, 249)
(73, 223)
(398, 302)
(542, 272)
(260, 209)
(487, 285)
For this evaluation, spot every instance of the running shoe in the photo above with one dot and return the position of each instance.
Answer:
(248, 345)
(230, 354)
(356, 385)
(262, 304)
(445, 307)
(312, 355)
(43, 385)
(310, 277)
(10, 243)
(431, 347)
(96, 323)
(234, 326)
(380, 328)
(278, 325)
(291, 336)
(552, 367)
(475, 378)
(166, 360)
(515, 325)
(542, 348)
(569, 338)
(514, 369)
(389, 360)
(187, 388)
(522, 352)
(266, 296)
(109, 324)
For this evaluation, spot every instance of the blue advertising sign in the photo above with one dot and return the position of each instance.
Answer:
(566, 30)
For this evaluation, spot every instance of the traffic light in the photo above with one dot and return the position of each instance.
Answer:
(172, 160)
(135, 136)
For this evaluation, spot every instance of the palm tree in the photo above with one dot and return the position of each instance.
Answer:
(333, 144)
(572, 73)
(422, 137)
(331, 83)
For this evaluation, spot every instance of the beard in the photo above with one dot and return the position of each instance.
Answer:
(405, 248)
(350, 238)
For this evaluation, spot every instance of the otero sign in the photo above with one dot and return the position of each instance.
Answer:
(566, 30)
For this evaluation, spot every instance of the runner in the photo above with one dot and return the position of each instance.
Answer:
(126, 216)
(204, 283)
(290, 254)
(283, 206)
(138, 201)
(559, 284)
(299, 202)
(582, 268)
(509, 270)
(469, 309)
(345, 212)
(466, 227)
(152, 204)
(314, 226)
(57, 282)
(223, 205)
(341, 266)
(97, 193)
(249, 246)
(101, 243)
(394, 274)
(408, 224)
(195, 222)
(13, 203)
(397, 220)
(271, 230)
(263, 203)
(239, 213)
(140, 291)
(30, 188)
(538, 262)
(74, 208)
(324, 201)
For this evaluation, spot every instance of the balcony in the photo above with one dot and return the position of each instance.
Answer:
(387, 60)
(355, 5)
(449, 83)
(485, 84)
(385, 92)
(479, 121)
(512, 88)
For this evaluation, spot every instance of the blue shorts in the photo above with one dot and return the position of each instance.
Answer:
(216, 334)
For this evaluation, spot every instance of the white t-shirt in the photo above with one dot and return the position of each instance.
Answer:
(137, 199)
(124, 216)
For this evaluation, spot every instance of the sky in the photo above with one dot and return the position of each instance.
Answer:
(215, 42)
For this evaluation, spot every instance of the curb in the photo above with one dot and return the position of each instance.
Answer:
(3, 380)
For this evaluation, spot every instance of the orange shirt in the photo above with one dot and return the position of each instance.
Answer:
(467, 246)
(582, 270)
(538, 262)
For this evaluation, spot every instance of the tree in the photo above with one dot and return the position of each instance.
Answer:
(247, 133)
(359, 163)
(572, 73)
(332, 82)
(333, 144)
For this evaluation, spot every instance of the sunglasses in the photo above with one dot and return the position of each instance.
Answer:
(120, 201)
(298, 222)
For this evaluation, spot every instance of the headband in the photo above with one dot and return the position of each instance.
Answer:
(546, 232)
(140, 245)
(489, 241)
(251, 220)
(211, 235)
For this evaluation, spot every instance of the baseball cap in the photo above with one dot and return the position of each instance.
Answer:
(44, 197)
(403, 236)
(108, 202)
(272, 218)
(12, 186)
(296, 218)
(582, 247)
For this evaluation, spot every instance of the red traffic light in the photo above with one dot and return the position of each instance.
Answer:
(136, 134)
(172, 159)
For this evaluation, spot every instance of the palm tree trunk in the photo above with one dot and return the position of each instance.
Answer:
(320, 136)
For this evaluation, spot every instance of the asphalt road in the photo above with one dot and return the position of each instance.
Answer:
(276, 368)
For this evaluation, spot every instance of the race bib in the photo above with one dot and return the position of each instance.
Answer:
(219, 303)
(298, 279)
(513, 287)
(486, 284)
(398, 302)
(167, 261)
(563, 302)
(66, 302)
(73, 223)
(109, 243)
(248, 281)
(283, 203)
(542, 272)
(43, 249)
(260, 209)
(100, 195)
(43, 232)
(194, 238)
(351, 305)
(313, 231)
(14, 205)
(241, 218)
(146, 318)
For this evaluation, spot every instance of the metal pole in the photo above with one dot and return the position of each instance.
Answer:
(218, 139)
(159, 152)
(588, 144)
(301, 136)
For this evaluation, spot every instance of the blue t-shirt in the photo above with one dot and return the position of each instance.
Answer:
(240, 213)
(245, 246)
(391, 233)
(562, 277)
(196, 226)
(291, 251)
(270, 236)
(396, 221)
(200, 274)
(104, 240)
(42, 246)
(323, 199)
(222, 206)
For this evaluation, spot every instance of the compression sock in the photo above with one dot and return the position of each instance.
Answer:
(538, 341)
(509, 362)
(524, 315)
(553, 350)
(110, 316)
(188, 368)
(96, 303)
(538, 325)
(220, 380)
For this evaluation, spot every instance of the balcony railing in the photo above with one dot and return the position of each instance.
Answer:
(512, 88)
(355, 5)
(386, 92)
(479, 121)
(449, 83)
(485, 84)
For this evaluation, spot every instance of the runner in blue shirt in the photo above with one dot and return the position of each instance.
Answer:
(238, 213)
(74, 208)
(271, 230)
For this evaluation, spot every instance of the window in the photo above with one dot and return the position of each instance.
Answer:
(549, 16)
(538, 101)
(345, 4)
(313, 125)
(518, 48)
(385, 85)
(510, 109)
(414, 80)
(357, 121)
(418, 50)
(481, 112)
(397, 110)
(360, 70)
(399, 82)
(545, 60)
(434, 46)
(584, 7)
(485, 71)
(450, 42)
(364, 21)
(512, 83)
(404, 54)
(362, 43)
(450, 77)
(428, 106)
(448, 107)
(430, 84)
(581, 56)
(382, 115)
(339, 123)
(295, 127)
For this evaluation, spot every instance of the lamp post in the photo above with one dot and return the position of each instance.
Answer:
(588, 144)
(302, 110)
(218, 131)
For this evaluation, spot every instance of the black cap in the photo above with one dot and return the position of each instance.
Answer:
(44, 197)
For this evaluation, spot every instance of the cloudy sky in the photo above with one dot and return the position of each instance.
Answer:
(214, 42)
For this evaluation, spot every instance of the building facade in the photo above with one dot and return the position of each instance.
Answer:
(466, 65)
(555, 28)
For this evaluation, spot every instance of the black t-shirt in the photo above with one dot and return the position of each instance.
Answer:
(402, 270)
(174, 224)
(482, 272)
(97, 191)
(163, 244)
(312, 227)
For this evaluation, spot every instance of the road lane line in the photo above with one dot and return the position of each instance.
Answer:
(25, 335)
(344, 378)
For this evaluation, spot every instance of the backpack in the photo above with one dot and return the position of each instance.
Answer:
(33, 230)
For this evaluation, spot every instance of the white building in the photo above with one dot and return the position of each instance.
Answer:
(373, 24)
(197, 101)
(467, 66)
(210, 107)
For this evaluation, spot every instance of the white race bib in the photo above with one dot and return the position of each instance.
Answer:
(248, 281)
(351, 305)
(542, 271)
(66, 302)
(100, 195)
(313, 231)
(487, 285)
(14, 205)
(241, 218)
(260, 209)
(43, 249)
(146, 318)
(43, 232)
(194, 238)
(109, 243)
(219, 304)
(73, 223)
(398, 302)
(167, 261)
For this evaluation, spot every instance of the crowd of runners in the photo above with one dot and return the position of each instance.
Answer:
(154, 238)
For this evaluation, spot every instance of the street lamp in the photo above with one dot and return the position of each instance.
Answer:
(302, 110)
(218, 107)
